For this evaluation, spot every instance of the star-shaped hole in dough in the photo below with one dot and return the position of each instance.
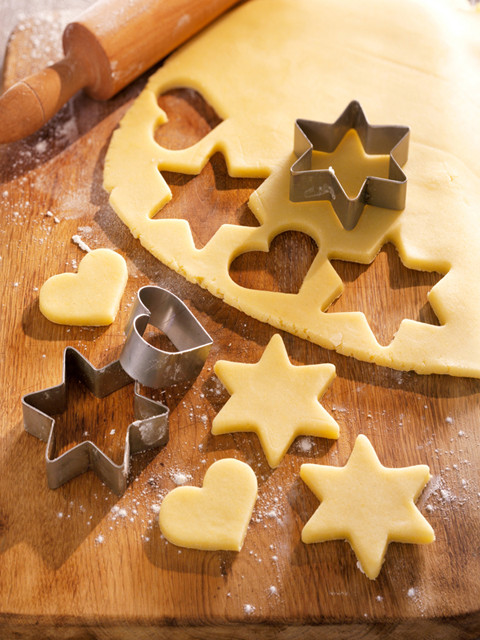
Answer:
(275, 399)
(367, 504)
(386, 283)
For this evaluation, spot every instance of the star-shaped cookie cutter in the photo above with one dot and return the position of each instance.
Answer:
(307, 184)
(155, 367)
(139, 362)
(149, 430)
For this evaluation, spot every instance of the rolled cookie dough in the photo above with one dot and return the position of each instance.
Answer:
(413, 63)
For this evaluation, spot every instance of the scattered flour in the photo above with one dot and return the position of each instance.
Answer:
(179, 477)
(447, 495)
(304, 444)
(76, 239)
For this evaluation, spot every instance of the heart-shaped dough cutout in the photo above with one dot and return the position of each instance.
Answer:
(90, 297)
(215, 516)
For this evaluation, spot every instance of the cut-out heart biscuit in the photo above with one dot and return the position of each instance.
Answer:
(216, 516)
(90, 297)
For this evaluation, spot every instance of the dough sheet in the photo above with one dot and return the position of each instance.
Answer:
(414, 63)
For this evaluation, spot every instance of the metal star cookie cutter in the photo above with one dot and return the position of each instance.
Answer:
(307, 184)
(154, 367)
(149, 430)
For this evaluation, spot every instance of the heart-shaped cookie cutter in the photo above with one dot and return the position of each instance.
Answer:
(155, 367)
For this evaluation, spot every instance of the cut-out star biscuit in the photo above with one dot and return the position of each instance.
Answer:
(275, 399)
(367, 504)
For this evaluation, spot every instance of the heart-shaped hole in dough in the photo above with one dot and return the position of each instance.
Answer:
(190, 118)
(282, 269)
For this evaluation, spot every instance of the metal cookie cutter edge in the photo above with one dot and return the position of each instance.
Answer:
(149, 430)
(154, 367)
(307, 184)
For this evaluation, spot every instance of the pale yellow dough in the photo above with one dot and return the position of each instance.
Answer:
(90, 297)
(367, 504)
(216, 516)
(414, 63)
(275, 399)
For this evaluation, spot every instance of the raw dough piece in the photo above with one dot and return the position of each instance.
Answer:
(367, 504)
(275, 399)
(413, 63)
(90, 297)
(215, 516)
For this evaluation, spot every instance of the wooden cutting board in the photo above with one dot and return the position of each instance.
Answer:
(79, 562)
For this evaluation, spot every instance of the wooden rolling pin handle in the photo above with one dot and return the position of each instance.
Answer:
(30, 103)
(81, 44)
(110, 45)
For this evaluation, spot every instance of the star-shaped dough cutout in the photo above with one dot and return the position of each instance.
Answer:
(275, 399)
(367, 504)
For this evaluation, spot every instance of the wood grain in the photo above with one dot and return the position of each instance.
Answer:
(78, 562)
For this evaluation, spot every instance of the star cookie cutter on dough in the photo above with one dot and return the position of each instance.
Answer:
(154, 367)
(307, 184)
(149, 430)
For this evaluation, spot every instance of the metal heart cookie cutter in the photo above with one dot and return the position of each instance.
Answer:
(154, 367)
(150, 428)
(307, 184)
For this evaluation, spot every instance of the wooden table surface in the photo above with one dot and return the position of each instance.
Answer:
(79, 562)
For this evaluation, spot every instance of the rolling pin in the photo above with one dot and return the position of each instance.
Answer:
(108, 46)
